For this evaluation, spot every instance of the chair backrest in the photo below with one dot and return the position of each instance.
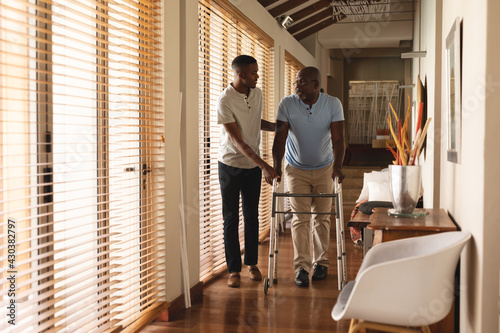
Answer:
(408, 282)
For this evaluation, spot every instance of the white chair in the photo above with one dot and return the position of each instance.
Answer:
(402, 284)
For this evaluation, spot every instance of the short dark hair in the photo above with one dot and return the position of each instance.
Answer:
(242, 61)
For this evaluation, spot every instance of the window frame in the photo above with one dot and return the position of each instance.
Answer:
(37, 238)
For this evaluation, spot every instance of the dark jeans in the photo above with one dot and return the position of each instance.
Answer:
(234, 181)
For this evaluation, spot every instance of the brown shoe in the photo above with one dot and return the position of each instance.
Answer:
(234, 280)
(254, 273)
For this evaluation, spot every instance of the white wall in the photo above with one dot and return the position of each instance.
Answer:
(469, 189)
(172, 41)
(427, 37)
(462, 185)
(181, 131)
(491, 93)
(189, 134)
(325, 65)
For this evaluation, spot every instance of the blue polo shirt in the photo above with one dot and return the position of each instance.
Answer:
(309, 141)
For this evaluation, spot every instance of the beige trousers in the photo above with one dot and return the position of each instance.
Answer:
(310, 181)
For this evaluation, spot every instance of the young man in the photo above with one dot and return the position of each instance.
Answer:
(239, 111)
(311, 124)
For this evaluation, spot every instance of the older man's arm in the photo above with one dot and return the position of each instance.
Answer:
(279, 145)
(337, 130)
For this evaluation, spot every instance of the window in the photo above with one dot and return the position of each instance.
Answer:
(369, 107)
(82, 164)
(224, 34)
(292, 67)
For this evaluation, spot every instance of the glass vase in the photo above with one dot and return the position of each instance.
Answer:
(405, 184)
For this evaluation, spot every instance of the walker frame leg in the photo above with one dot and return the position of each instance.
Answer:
(271, 264)
(339, 222)
(272, 277)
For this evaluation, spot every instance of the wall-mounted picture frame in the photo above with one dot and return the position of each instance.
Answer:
(454, 91)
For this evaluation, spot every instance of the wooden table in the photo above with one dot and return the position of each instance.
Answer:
(360, 220)
(386, 228)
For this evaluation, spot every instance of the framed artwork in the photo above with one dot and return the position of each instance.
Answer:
(454, 91)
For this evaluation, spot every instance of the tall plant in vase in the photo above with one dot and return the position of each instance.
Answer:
(405, 172)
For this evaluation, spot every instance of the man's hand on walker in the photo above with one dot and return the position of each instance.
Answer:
(269, 173)
(337, 172)
(278, 173)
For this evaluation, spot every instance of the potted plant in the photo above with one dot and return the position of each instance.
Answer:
(405, 173)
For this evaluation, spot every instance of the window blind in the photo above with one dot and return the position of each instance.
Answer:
(81, 165)
(292, 67)
(225, 33)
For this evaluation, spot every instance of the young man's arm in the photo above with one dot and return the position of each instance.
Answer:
(279, 145)
(267, 126)
(337, 130)
(234, 133)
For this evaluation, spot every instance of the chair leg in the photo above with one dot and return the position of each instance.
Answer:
(381, 327)
(426, 329)
(355, 328)
(353, 323)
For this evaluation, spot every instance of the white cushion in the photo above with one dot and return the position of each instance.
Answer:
(376, 177)
(379, 191)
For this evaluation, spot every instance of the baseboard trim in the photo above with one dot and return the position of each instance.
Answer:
(177, 306)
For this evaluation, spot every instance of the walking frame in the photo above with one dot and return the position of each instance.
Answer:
(272, 277)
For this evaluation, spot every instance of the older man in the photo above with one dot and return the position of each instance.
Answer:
(311, 125)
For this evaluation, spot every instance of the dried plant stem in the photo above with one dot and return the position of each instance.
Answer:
(406, 124)
(404, 151)
(392, 151)
(393, 112)
(414, 150)
(422, 138)
(401, 151)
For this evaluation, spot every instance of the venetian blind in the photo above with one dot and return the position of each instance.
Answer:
(292, 67)
(81, 165)
(225, 33)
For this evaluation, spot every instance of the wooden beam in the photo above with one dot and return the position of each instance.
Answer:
(285, 7)
(266, 3)
(320, 26)
(309, 10)
(296, 27)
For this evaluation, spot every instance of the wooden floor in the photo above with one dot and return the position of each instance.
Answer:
(286, 308)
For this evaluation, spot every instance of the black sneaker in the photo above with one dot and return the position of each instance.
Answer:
(320, 272)
(302, 278)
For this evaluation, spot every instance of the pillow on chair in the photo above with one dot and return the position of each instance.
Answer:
(379, 191)
(374, 176)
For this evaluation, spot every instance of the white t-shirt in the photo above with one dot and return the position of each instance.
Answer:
(247, 113)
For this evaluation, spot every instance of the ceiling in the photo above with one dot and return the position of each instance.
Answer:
(380, 23)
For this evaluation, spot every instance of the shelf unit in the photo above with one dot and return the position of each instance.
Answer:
(368, 108)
